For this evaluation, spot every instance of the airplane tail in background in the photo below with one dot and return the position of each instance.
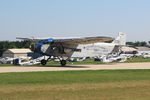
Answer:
(121, 39)
(148, 43)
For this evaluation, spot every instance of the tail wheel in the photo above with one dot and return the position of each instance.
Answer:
(43, 62)
(63, 62)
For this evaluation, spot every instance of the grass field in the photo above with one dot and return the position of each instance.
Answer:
(138, 59)
(76, 85)
(5, 65)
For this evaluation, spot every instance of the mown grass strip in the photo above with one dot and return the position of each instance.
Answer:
(76, 85)
(69, 77)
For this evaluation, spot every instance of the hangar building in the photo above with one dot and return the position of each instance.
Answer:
(14, 53)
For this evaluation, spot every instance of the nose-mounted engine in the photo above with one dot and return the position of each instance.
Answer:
(36, 48)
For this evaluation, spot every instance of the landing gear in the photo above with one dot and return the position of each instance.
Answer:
(63, 62)
(43, 62)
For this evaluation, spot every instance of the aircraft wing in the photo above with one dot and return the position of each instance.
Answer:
(84, 40)
(25, 39)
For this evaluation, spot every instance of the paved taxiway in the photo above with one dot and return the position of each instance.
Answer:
(115, 66)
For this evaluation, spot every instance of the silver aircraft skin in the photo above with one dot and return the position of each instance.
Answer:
(61, 48)
(100, 49)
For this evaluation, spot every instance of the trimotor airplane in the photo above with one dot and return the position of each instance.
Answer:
(61, 48)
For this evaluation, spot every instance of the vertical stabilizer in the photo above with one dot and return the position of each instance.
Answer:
(148, 43)
(121, 39)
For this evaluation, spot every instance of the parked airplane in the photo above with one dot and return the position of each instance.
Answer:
(119, 58)
(61, 48)
(100, 49)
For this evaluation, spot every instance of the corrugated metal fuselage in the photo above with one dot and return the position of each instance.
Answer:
(81, 50)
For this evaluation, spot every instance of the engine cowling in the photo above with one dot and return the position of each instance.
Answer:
(36, 48)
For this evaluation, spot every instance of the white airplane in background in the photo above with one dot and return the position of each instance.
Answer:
(61, 48)
(100, 49)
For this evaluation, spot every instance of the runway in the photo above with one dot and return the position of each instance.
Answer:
(114, 66)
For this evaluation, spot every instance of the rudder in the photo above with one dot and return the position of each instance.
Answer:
(121, 39)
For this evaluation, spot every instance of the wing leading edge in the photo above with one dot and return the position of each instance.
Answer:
(85, 40)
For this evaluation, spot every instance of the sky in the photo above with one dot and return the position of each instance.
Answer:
(74, 18)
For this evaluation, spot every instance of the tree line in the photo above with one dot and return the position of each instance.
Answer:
(138, 43)
(4, 45)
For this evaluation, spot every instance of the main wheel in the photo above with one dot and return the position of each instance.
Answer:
(63, 62)
(43, 62)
